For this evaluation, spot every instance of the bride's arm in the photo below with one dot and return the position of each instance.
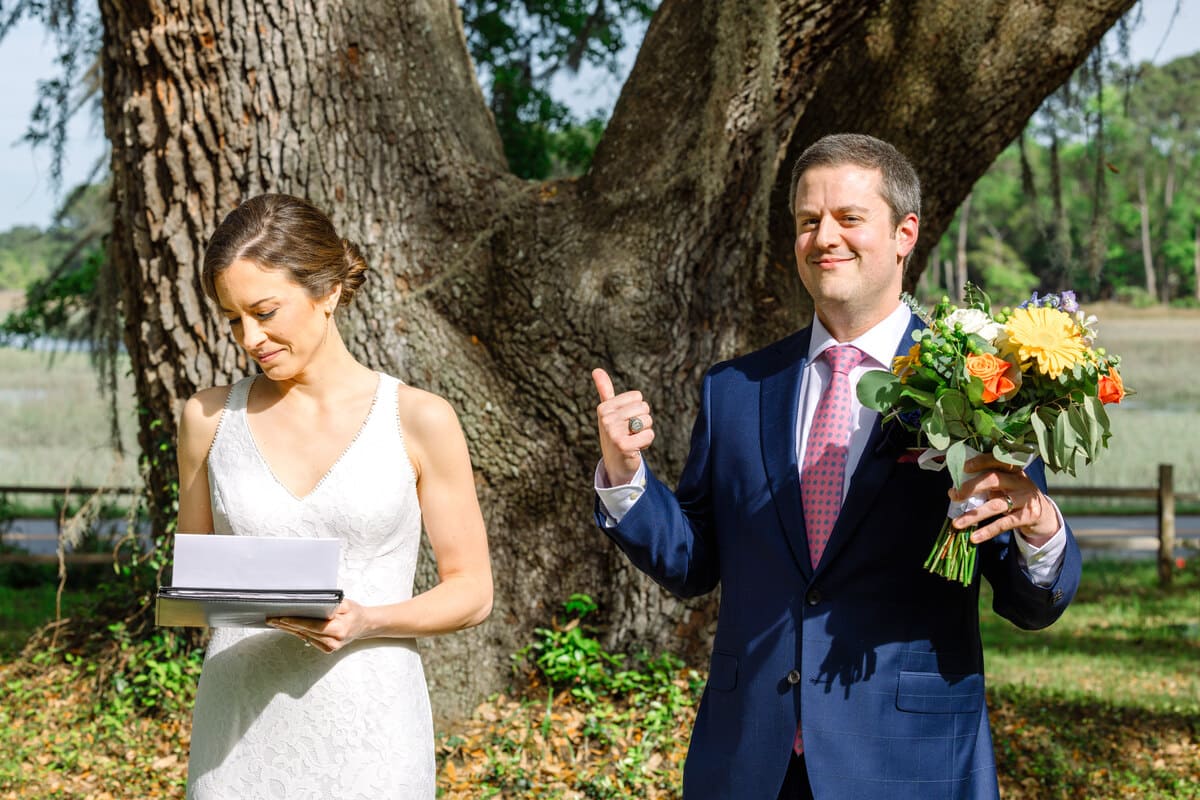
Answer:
(450, 510)
(197, 427)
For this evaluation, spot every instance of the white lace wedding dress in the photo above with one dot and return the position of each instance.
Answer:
(276, 719)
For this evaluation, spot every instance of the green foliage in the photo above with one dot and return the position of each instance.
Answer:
(519, 46)
(1059, 418)
(1135, 296)
(156, 674)
(55, 304)
(27, 254)
(1107, 169)
(614, 692)
(569, 656)
(68, 293)
(1104, 704)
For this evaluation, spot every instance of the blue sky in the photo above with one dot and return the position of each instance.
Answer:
(26, 56)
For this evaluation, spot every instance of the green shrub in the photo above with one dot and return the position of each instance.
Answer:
(1135, 296)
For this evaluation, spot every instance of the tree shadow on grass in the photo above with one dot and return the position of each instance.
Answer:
(1048, 746)
(1181, 649)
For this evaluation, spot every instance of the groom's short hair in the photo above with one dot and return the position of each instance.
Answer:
(900, 186)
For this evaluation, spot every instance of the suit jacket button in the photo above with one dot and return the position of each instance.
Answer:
(793, 677)
(813, 597)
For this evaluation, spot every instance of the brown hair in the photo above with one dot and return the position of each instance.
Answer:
(900, 186)
(281, 232)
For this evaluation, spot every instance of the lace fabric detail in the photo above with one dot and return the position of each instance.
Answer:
(275, 719)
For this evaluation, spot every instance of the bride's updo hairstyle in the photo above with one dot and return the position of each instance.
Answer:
(281, 232)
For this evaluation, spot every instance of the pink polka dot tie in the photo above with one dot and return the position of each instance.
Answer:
(824, 468)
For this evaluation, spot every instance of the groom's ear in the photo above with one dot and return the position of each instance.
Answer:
(906, 234)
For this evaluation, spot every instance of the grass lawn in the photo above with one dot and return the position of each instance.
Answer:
(1104, 704)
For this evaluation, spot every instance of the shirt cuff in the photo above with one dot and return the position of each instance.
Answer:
(1043, 564)
(615, 501)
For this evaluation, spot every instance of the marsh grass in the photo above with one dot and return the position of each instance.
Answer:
(56, 430)
(55, 422)
(1160, 349)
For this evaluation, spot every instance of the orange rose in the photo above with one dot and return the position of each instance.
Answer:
(1112, 388)
(992, 370)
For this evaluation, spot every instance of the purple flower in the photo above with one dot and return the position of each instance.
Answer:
(1069, 304)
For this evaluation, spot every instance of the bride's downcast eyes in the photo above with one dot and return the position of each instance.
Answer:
(262, 317)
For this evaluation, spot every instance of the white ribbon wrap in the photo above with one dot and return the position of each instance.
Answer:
(934, 460)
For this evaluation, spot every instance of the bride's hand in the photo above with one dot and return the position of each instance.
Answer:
(347, 624)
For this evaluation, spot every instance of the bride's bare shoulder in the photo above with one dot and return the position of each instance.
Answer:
(200, 417)
(424, 413)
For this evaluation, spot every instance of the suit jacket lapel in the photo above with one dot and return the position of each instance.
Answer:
(874, 467)
(778, 407)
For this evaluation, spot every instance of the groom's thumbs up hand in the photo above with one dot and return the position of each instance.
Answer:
(625, 429)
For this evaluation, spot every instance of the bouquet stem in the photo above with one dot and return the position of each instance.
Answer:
(953, 554)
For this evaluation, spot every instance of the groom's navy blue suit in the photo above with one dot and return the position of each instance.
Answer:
(881, 659)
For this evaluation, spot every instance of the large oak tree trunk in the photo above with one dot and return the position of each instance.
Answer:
(674, 251)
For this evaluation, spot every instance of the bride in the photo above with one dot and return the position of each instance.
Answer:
(319, 445)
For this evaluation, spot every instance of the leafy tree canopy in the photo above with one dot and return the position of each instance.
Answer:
(519, 46)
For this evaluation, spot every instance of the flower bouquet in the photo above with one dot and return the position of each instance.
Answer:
(1018, 383)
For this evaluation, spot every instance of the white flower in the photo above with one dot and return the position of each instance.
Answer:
(1087, 324)
(975, 321)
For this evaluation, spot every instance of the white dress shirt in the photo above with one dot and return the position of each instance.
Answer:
(879, 345)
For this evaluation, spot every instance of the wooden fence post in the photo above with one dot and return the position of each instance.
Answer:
(1166, 524)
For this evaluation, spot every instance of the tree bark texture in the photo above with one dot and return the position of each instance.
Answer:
(673, 252)
(960, 252)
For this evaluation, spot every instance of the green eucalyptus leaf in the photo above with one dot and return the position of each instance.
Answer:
(1044, 438)
(879, 389)
(1016, 459)
(1079, 424)
(983, 423)
(922, 398)
(954, 404)
(1064, 441)
(956, 456)
(974, 387)
(934, 427)
(956, 411)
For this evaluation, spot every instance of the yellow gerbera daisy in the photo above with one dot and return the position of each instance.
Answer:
(1046, 336)
(904, 365)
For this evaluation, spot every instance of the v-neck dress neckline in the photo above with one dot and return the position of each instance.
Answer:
(301, 498)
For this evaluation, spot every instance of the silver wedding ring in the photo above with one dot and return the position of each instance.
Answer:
(635, 425)
(1008, 499)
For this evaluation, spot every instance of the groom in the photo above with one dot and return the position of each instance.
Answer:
(840, 668)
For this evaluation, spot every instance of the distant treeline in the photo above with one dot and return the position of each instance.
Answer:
(1101, 194)
(28, 253)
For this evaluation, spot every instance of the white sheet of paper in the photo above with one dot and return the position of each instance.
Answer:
(214, 561)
